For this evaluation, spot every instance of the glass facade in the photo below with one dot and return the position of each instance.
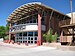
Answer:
(32, 19)
(30, 33)
(30, 37)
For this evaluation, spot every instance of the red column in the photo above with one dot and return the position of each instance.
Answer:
(39, 29)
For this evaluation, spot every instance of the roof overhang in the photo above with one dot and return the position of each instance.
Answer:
(68, 26)
(27, 8)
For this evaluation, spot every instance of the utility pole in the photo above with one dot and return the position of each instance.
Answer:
(71, 10)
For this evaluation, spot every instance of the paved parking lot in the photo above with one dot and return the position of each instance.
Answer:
(34, 51)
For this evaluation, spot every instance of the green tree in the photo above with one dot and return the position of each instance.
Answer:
(7, 28)
(3, 31)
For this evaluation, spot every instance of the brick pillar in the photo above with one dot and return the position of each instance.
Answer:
(39, 29)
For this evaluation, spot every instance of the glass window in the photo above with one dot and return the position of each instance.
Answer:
(20, 34)
(30, 33)
(31, 41)
(30, 21)
(17, 38)
(42, 19)
(17, 35)
(34, 21)
(35, 41)
(28, 38)
(35, 38)
(36, 33)
(31, 38)
(25, 38)
(20, 38)
(23, 41)
(24, 33)
(28, 41)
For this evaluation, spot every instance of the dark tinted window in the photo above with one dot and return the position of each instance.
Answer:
(17, 34)
(30, 21)
(31, 38)
(20, 34)
(28, 38)
(30, 33)
(34, 21)
(24, 33)
(36, 33)
(31, 41)
(35, 41)
(35, 38)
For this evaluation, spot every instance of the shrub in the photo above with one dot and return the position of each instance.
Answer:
(48, 37)
(54, 38)
(44, 37)
(6, 37)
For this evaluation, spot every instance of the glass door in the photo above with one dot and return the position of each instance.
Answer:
(30, 40)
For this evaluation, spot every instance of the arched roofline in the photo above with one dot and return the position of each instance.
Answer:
(17, 10)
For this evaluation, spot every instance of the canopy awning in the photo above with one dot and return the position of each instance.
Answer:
(28, 8)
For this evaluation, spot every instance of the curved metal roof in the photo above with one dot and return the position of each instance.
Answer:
(26, 8)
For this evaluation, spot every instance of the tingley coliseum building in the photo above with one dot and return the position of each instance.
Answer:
(29, 21)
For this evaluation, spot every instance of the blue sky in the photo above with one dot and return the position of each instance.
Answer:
(8, 6)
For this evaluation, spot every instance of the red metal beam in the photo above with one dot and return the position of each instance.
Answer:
(39, 29)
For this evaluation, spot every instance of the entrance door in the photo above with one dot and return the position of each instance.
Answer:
(35, 39)
(27, 37)
(30, 40)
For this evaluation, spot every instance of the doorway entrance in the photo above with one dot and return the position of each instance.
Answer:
(27, 37)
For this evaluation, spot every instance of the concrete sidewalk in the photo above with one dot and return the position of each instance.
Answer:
(36, 51)
(15, 45)
(60, 47)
